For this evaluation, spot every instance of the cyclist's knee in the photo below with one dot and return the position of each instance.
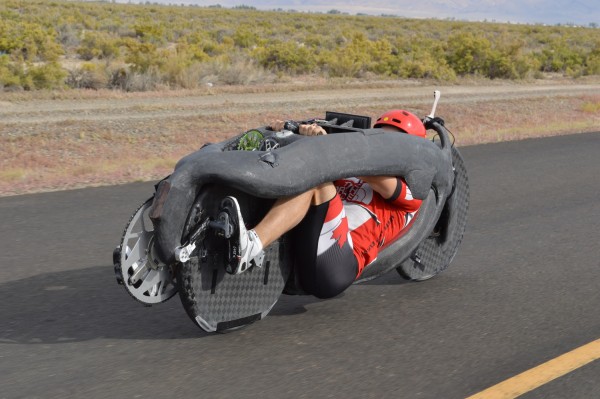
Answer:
(323, 193)
(331, 279)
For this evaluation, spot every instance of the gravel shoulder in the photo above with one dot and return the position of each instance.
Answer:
(132, 108)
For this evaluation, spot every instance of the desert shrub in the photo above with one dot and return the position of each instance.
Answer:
(592, 61)
(286, 56)
(241, 70)
(150, 31)
(204, 46)
(419, 57)
(88, 76)
(527, 67)
(68, 35)
(28, 41)
(142, 56)
(559, 56)
(19, 75)
(193, 46)
(358, 56)
(11, 74)
(468, 53)
(246, 38)
(175, 65)
(97, 45)
(130, 80)
(426, 66)
(191, 77)
(340, 64)
(49, 75)
(235, 70)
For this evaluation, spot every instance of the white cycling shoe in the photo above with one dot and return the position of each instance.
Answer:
(245, 249)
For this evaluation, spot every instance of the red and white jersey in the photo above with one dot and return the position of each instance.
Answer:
(372, 220)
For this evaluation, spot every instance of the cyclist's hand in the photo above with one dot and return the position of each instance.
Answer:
(277, 126)
(312, 130)
(429, 122)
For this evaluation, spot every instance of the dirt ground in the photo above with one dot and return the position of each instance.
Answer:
(54, 141)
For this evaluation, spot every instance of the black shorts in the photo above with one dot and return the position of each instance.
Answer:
(325, 262)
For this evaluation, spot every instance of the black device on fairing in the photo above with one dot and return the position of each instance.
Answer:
(291, 126)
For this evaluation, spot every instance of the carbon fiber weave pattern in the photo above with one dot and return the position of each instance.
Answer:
(436, 253)
(216, 300)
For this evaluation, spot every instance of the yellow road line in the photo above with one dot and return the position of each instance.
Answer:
(542, 374)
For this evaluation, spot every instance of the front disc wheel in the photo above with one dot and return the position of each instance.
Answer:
(137, 267)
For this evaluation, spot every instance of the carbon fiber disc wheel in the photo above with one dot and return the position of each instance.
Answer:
(435, 253)
(144, 277)
(216, 300)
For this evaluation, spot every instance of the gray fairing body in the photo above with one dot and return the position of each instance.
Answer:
(303, 164)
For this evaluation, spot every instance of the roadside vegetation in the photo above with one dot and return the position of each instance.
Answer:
(59, 44)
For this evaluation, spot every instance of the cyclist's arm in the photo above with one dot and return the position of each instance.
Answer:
(394, 190)
(304, 129)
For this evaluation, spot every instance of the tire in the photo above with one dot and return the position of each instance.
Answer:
(437, 251)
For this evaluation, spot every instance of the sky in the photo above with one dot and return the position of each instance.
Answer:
(579, 12)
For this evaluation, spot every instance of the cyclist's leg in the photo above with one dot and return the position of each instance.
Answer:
(325, 260)
(287, 212)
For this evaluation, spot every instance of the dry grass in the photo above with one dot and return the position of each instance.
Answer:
(592, 107)
(515, 120)
(283, 84)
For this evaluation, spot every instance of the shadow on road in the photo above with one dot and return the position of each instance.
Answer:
(84, 304)
(87, 304)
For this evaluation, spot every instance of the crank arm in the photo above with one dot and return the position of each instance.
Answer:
(139, 273)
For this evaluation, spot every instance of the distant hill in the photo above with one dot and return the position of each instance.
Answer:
(581, 12)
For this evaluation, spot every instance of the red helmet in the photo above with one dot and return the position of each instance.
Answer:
(403, 120)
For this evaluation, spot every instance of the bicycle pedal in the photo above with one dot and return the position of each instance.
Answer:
(222, 226)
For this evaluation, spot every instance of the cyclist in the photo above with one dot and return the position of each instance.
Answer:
(340, 226)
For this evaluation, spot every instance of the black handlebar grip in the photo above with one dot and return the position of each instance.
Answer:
(292, 126)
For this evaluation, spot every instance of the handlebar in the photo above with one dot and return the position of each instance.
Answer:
(437, 124)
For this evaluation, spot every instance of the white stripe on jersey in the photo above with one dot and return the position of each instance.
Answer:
(408, 195)
(357, 215)
(408, 217)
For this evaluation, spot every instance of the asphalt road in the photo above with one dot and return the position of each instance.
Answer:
(522, 290)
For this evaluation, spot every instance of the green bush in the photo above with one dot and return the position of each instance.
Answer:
(97, 45)
(47, 76)
(560, 56)
(28, 41)
(149, 31)
(16, 74)
(142, 56)
(286, 57)
(194, 46)
(358, 56)
(592, 61)
(469, 54)
(427, 66)
(11, 74)
(246, 38)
